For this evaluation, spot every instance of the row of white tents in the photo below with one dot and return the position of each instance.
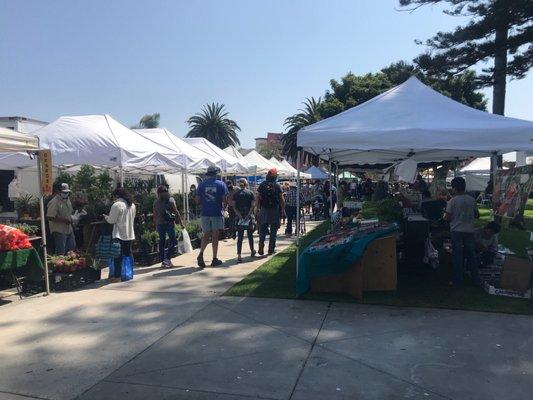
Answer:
(103, 142)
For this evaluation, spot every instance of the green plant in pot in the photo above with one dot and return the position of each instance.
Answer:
(25, 205)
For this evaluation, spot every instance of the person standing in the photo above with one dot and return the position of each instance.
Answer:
(166, 216)
(242, 202)
(59, 215)
(231, 211)
(330, 193)
(290, 206)
(121, 216)
(212, 194)
(461, 212)
(271, 207)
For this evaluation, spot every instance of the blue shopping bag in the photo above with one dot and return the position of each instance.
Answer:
(127, 268)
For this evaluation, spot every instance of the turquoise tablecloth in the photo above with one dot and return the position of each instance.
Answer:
(335, 260)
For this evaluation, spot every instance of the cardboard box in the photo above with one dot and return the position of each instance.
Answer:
(516, 274)
(496, 291)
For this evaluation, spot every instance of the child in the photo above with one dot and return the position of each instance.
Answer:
(487, 243)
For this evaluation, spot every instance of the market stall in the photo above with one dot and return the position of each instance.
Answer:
(16, 250)
(409, 124)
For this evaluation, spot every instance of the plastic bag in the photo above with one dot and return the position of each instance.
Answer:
(127, 268)
(185, 245)
(431, 255)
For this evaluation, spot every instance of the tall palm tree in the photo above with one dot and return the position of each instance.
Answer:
(212, 123)
(306, 116)
(149, 121)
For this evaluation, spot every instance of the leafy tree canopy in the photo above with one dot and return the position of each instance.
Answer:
(213, 124)
(149, 121)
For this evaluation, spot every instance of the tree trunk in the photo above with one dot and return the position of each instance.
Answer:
(500, 64)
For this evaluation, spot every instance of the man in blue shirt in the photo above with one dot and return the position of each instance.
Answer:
(212, 195)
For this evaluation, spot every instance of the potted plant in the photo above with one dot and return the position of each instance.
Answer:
(24, 205)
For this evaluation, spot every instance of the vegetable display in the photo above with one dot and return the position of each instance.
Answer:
(12, 239)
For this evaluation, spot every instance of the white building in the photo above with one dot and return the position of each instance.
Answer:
(21, 124)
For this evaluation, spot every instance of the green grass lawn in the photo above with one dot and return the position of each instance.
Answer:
(420, 288)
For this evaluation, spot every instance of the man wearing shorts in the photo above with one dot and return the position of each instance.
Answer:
(212, 195)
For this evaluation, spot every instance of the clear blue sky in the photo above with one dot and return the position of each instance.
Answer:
(260, 58)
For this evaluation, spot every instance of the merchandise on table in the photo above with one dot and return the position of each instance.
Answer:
(12, 239)
(70, 263)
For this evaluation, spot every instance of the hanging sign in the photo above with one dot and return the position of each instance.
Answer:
(45, 164)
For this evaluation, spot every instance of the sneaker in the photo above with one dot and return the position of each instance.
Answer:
(216, 262)
(166, 264)
(239, 259)
(270, 252)
(253, 254)
(261, 250)
(200, 261)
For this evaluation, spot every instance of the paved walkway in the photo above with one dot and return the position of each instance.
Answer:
(169, 335)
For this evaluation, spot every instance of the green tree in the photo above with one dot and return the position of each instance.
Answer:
(148, 121)
(499, 31)
(212, 123)
(271, 150)
(306, 116)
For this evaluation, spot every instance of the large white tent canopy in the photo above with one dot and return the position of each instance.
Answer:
(11, 141)
(413, 121)
(194, 159)
(232, 150)
(260, 162)
(101, 141)
(225, 161)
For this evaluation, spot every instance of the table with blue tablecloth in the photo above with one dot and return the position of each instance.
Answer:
(322, 259)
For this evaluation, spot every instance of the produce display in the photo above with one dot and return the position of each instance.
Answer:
(345, 235)
(12, 239)
(70, 263)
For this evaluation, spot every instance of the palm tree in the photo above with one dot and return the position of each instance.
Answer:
(306, 116)
(212, 123)
(148, 121)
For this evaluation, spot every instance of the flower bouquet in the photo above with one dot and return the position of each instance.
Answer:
(72, 262)
(12, 239)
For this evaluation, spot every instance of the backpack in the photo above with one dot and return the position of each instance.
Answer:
(269, 192)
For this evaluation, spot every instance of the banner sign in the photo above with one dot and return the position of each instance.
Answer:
(45, 164)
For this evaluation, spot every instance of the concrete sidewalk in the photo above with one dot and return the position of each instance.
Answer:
(169, 335)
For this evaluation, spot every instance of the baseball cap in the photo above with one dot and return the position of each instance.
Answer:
(212, 170)
(64, 188)
(272, 171)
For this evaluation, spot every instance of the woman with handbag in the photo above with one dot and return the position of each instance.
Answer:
(166, 216)
(242, 202)
(122, 216)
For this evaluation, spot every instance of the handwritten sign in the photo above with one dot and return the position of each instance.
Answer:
(45, 164)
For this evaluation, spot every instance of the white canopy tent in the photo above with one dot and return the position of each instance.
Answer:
(232, 150)
(262, 164)
(283, 171)
(101, 141)
(194, 159)
(225, 161)
(15, 141)
(413, 121)
(293, 171)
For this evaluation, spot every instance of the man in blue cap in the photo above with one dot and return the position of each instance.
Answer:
(212, 195)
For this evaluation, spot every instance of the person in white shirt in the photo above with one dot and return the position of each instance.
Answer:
(122, 216)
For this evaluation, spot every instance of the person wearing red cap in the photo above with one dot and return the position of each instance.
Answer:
(271, 206)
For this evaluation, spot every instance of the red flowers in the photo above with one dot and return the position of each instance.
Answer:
(12, 239)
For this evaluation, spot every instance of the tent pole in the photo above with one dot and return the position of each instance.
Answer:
(183, 190)
(330, 192)
(121, 177)
(187, 197)
(43, 228)
(298, 212)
